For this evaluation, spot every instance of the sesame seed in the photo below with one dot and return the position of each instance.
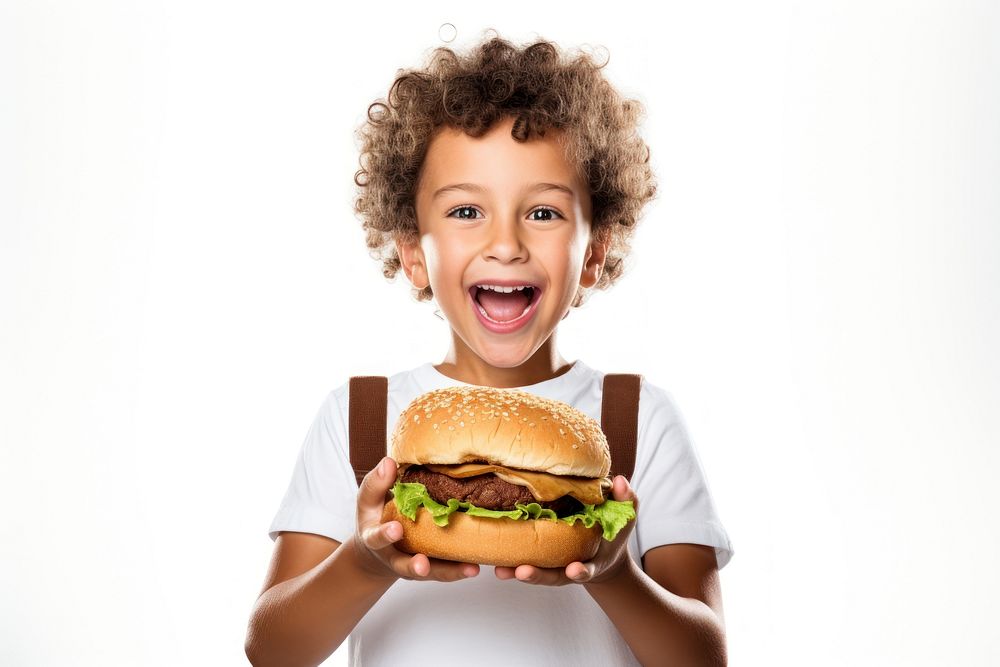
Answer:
(458, 405)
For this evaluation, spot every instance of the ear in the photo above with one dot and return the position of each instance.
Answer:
(411, 257)
(593, 263)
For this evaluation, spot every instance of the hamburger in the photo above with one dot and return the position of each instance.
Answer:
(502, 477)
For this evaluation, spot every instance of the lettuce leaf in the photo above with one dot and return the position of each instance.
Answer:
(612, 515)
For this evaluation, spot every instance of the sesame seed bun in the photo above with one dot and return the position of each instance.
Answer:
(501, 426)
(504, 427)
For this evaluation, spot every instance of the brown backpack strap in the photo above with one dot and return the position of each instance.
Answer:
(368, 401)
(620, 420)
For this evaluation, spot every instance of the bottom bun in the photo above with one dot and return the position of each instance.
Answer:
(503, 541)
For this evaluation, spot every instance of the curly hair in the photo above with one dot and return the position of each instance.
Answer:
(539, 87)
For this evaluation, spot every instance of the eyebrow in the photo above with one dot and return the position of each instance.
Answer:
(472, 187)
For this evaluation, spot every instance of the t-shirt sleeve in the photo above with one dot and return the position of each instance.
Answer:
(675, 504)
(321, 497)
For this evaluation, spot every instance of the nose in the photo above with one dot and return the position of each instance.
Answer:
(505, 243)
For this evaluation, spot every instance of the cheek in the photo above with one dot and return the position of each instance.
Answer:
(444, 258)
(563, 263)
(574, 253)
(581, 247)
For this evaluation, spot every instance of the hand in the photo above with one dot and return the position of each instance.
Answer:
(373, 540)
(610, 560)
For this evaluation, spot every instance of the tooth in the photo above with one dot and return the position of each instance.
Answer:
(504, 289)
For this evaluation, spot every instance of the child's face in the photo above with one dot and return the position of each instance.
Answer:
(500, 224)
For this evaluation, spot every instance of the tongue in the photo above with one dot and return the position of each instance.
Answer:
(502, 307)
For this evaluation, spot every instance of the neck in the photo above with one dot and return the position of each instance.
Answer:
(464, 365)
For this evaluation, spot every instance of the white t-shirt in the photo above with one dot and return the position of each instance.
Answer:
(483, 620)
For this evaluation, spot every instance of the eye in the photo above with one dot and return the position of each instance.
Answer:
(463, 210)
(549, 211)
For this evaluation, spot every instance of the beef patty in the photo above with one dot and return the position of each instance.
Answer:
(487, 491)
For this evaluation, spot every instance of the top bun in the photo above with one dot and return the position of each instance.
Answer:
(505, 427)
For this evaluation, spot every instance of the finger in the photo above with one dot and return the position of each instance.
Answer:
(622, 490)
(503, 572)
(419, 566)
(409, 566)
(372, 492)
(449, 570)
(381, 535)
(542, 576)
(580, 572)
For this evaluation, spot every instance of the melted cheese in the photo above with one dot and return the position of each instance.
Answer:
(542, 485)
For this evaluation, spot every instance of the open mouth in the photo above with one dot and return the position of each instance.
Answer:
(505, 306)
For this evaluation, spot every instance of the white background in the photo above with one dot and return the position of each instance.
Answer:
(182, 280)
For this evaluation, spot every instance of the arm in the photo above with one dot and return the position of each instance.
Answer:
(673, 608)
(316, 592)
(668, 612)
(317, 589)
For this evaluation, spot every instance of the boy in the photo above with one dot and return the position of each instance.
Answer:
(506, 183)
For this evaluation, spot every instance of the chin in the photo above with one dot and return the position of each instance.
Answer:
(504, 356)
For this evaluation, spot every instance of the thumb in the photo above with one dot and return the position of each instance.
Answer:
(622, 490)
(373, 490)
